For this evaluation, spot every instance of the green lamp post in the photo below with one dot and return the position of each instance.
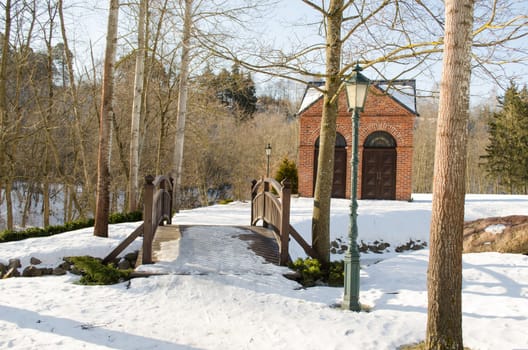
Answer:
(356, 89)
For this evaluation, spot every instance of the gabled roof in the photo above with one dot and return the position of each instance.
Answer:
(401, 91)
(311, 94)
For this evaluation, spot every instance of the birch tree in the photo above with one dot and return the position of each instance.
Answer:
(106, 116)
(139, 77)
(182, 102)
(444, 282)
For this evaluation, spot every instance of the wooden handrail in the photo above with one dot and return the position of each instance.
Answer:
(270, 202)
(157, 210)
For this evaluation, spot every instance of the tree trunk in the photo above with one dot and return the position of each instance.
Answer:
(46, 212)
(325, 170)
(105, 126)
(444, 322)
(182, 104)
(9, 204)
(77, 127)
(136, 110)
(3, 101)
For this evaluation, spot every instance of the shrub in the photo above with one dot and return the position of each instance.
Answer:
(11, 235)
(94, 272)
(288, 170)
(313, 273)
(117, 218)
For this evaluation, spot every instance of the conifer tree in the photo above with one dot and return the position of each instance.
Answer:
(237, 91)
(288, 170)
(507, 152)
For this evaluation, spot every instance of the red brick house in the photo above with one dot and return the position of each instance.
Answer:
(385, 144)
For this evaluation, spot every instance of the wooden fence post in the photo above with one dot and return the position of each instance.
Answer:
(253, 195)
(147, 220)
(170, 200)
(264, 200)
(284, 228)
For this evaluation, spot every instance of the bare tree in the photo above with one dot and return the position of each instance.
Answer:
(139, 77)
(377, 34)
(444, 313)
(106, 116)
(3, 107)
(325, 175)
(182, 102)
(77, 125)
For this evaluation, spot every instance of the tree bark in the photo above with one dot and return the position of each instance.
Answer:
(325, 171)
(105, 126)
(136, 110)
(444, 322)
(3, 107)
(182, 104)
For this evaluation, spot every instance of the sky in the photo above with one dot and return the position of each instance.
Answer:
(218, 295)
(278, 26)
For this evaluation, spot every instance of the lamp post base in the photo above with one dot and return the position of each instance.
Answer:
(351, 284)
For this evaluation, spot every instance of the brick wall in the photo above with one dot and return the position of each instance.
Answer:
(381, 113)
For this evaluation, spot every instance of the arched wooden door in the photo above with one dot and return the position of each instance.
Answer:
(340, 167)
(379, 167)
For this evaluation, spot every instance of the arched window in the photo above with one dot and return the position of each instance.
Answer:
(380, 139)
(340, 141)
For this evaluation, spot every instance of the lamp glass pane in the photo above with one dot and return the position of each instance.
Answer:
(351, 96)
(361, 95)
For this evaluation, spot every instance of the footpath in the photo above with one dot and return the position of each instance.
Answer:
(203, 250)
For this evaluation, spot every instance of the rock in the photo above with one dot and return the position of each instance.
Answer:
(294, 276)
(411, 245)
(124, 264)
(66, 266)
(14, 263)
(11, 272)
(35, 261)
(32, 271)
(132, 257)
(59, 271)
(507, 234)
(3, 270)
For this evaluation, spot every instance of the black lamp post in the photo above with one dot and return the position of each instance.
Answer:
(268, 154)
(356, 88)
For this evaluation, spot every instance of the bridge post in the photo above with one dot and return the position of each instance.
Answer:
(264, 200)
(284, 228)
(170, 200)
(253, 195)
(147, 219)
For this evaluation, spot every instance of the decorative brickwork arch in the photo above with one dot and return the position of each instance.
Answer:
(379, 166)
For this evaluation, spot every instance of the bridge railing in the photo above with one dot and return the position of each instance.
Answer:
(270, 202)
(273, 210)
(157, 210)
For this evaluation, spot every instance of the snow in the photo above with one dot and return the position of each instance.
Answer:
(225, 298)
(495, 229)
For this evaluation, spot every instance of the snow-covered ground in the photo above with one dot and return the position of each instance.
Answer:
(258, 308)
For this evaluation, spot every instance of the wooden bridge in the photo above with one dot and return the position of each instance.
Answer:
(270, 203)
